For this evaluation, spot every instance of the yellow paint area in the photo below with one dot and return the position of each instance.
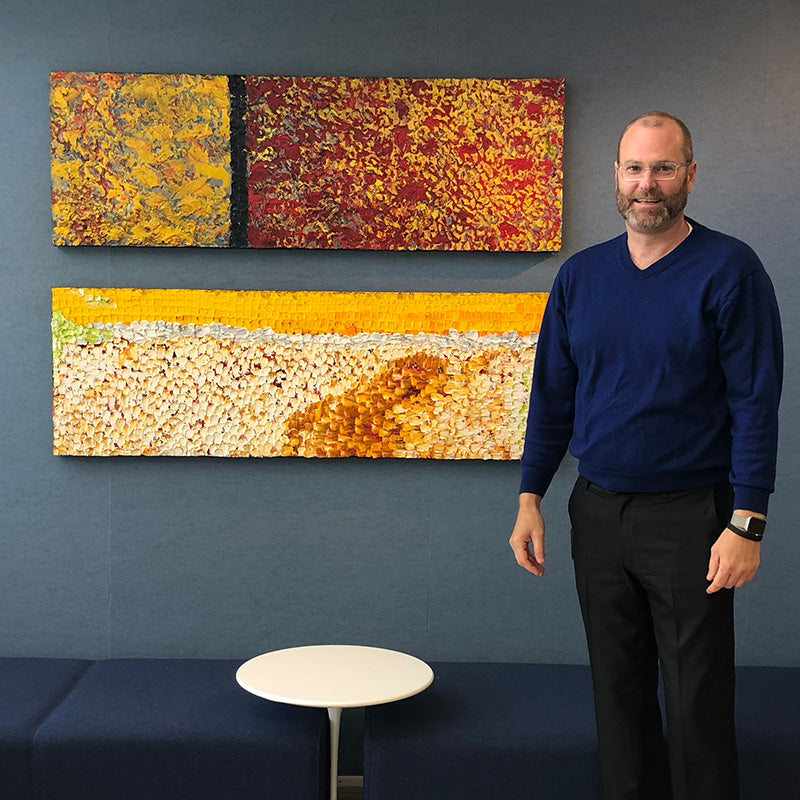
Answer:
(140, 159)
(344, 313)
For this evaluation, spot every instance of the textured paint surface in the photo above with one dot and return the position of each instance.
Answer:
(405, 164)
(340, 163)
(140, 159)
(314, 374)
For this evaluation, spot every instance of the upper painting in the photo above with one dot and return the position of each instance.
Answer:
(334, 163)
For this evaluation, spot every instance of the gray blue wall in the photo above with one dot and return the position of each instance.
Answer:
(228, 558)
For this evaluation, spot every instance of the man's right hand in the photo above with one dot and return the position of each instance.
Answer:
(527, 539)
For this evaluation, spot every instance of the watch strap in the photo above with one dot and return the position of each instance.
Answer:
(751, 528)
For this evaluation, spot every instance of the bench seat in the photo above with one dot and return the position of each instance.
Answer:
(526, 732)
(150, 729)
(29, 689)
(484, 730)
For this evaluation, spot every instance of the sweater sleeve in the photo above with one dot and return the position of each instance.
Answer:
(751, 354)
(552, 403)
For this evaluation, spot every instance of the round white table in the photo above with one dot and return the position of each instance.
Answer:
(334, 677)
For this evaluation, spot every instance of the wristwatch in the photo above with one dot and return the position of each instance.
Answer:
(749, 527)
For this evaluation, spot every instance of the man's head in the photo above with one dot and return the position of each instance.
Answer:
(648, 148)
(657, 119)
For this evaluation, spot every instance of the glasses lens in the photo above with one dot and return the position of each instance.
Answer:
(663, 171)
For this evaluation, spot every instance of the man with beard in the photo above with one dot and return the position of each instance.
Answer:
(659, 364)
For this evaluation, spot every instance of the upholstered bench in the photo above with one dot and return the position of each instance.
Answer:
(509, 731)
(29, 689)
(768, 731)
(148, 729)
(526, 732)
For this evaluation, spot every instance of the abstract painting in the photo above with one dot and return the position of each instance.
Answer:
(311, 374)
(303, 162)
(142, 161)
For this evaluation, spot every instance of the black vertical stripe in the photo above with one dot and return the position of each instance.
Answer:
(239, 197)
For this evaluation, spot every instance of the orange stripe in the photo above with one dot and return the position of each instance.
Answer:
(345, 313)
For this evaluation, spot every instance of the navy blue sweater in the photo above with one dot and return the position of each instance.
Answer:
(661, 379)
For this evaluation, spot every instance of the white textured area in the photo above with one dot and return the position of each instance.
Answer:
(169, 331)
(170, 389)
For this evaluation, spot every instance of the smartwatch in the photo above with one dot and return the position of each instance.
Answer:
(748, 527)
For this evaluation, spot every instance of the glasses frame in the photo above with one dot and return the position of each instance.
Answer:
(651, 168)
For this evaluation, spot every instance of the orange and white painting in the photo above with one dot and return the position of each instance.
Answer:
(310, 374)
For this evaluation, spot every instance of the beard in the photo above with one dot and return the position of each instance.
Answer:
(672, 207)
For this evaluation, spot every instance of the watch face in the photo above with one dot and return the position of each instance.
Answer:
(756, 525)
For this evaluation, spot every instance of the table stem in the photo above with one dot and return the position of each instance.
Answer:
(335, 717)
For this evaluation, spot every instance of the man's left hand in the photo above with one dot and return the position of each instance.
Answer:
(734, 561)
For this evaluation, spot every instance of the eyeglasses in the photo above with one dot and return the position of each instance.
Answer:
(662, 171)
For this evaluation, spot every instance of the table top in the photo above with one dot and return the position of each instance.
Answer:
(334, 676)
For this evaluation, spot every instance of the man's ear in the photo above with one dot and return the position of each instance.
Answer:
(692, 169)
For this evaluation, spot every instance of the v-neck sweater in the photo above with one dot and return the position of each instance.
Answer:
(659, 379)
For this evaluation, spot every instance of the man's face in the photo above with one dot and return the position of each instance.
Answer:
(646, 204)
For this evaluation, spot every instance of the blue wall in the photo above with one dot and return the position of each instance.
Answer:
(228, 558)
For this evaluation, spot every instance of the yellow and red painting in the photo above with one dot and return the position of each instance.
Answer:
(312, 374)
(343, 163)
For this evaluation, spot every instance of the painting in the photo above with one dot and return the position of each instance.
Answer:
(304, 162)
(153, 372)
(142, 161)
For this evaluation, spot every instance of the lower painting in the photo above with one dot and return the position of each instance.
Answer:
(312, 374)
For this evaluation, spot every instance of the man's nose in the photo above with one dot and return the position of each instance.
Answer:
(647, 179)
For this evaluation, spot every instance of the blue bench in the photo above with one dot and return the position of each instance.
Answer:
(150, 729)
(29, 689)
(526, 732)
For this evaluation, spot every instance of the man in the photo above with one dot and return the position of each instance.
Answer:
(659, 363)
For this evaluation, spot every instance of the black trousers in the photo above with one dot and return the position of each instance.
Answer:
(640, 568)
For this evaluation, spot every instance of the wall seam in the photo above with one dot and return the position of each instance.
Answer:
(109, 568)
